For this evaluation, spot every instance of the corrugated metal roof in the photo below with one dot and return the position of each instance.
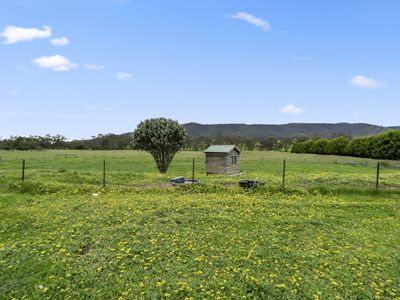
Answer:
(221, 149)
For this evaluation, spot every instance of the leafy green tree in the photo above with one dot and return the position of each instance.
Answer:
(303, 147)
(337, 145)
(387, 145)
(162, 138)
(383, 146)
(268, 143)
(319, 146)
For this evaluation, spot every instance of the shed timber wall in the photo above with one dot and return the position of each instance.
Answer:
(221, 163)
(216, 163)
(232, 169)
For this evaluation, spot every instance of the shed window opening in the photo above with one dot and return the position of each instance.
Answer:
(233, 160)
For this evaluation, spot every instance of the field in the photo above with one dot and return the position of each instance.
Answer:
(137, 169)
(327, 235)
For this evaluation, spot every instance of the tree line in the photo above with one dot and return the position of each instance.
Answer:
(33, 142)
(99, 142)
(124, 141)
(244, 144)
(383, 146)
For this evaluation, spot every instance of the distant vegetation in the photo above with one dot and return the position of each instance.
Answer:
(100, 142)
(382, 146)
(325, 139)
(286, 131)
(124, 142)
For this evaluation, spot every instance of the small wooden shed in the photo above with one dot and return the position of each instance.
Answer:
(222, 159)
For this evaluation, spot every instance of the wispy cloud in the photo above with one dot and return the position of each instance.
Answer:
(94, 67)
(55, 62)
(14, 34)
(301, 58)
(24, 70)
(63, 41)
(124, 76)
(290, 109)
(8, 114)
(253, 20)
(91, 107)
(107, 109)
(14, 93)
(365, 82)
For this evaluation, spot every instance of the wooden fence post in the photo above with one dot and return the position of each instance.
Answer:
(104, 173)
(283, 174)
(23, 170)
(377, 175)
(193, 171)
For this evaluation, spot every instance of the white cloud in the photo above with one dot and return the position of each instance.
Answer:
(365, 82)
(14, 34)
(94, 67)
(106, 109)
(55, 62)
(252, 20)
(8, 113)
(124, 76)
(301, 58)
(63, 41)
(24, 70)
(14, 93)
(90, 107)
(290, 109)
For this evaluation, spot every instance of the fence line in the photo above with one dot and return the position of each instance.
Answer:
(34, 167)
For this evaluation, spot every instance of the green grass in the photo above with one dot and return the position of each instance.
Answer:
(64, 237)
(133, 168)
(160, 244)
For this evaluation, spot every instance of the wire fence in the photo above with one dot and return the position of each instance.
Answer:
(139, 170)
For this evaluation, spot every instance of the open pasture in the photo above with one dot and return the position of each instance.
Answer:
(134, 168)
(324, 237)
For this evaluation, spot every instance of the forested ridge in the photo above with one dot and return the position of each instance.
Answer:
(300, 138)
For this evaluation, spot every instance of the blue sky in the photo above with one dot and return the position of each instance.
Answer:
(81, 67)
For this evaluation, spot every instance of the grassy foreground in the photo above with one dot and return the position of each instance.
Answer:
(201, 243)
(326, 236)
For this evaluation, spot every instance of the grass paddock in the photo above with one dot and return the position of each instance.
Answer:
(327, 236)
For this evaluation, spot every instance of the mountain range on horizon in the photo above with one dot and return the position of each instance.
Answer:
(291, 130)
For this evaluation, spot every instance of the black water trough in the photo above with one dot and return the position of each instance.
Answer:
(181, 180)
(250, 184)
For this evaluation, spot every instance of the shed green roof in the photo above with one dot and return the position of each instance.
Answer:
(221, 149)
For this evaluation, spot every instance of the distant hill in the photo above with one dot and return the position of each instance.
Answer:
(267, 137)
(291, 130)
